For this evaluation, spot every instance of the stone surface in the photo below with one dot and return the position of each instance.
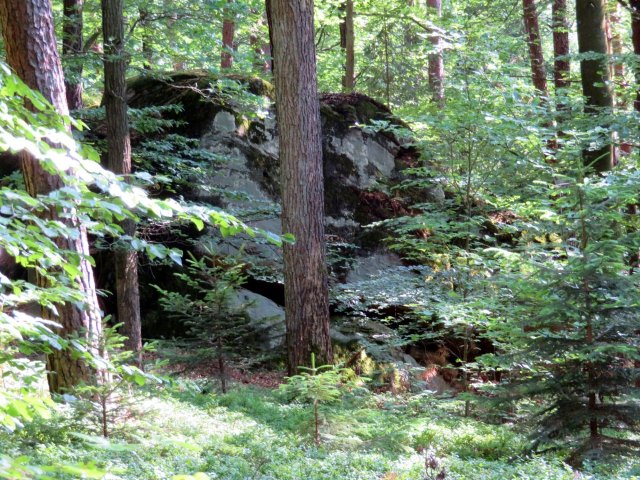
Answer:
(266, 317)
(360, 166)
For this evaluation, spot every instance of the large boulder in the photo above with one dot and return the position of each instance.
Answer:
(362, 162)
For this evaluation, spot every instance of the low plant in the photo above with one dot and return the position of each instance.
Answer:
(318, 385)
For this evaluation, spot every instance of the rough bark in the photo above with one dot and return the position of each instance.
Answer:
(306, 288)
(561, 63)
(436, 60)
(119, 161)
(228, 32)
(72, 45)
(347, 43)
(534, 42)
(592, 38)
(30, 45)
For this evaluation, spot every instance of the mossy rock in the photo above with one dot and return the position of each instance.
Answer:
(201, 95)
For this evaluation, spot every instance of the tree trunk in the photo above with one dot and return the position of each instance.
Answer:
(305, 271)
(595, 73)
(261, 49)
(72, 46)
(616, 48)
(147, 51)
(119, 162)
(436, 61)
(347, 42)
(532, 29)
(561, 63)
(635, 38)
(228, 32)
(30, 45)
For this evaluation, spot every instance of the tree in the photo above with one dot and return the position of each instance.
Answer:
(595, 75)
(30, 44)
(119, 162)
(635, 38)
(538, 72)
(72, 46)
(436, 62)
(228, 32)
(561, 63)
(347, 43)
(302, 183)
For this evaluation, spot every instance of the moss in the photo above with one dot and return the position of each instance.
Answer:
(193, 90)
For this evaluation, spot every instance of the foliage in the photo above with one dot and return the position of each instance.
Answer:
(217, 324)
(318, 385)
(573, 333)
(108, 403)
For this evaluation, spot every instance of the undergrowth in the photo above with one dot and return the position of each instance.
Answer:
(252, 433)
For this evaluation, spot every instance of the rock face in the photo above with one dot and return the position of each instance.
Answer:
(360, 165)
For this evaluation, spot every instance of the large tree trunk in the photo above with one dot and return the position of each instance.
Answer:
(532, 29)
(298, 110)
(30, 45)
(119, 161)
(228, 32)
(347, 42)
(592, 38)
(72, 45)
(436, 60)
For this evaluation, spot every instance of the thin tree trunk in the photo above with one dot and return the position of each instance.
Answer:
(30, 45)
(305, 271)
(147, 52)
(178, 62)
(595, 73)
(261, 49)
(228, 32)
(616, 48)
(436, 60)
(267, 10)
(561, 62)
(387, 65)
(119, 162)
(635, 39)
(72, 46)
(532, 29)
(347, 42)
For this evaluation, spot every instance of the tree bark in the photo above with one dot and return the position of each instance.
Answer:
(534, 41)
(72, 46)
(305, 271)
(592, 38)
(436, 60)
(228, 32)
(635, 38)
(561, 62)
(347, 42)
(30, 45)
(119, 162)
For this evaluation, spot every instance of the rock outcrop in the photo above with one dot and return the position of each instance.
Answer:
(362, 162)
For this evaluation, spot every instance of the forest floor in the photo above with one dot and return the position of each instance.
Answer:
(253, 433)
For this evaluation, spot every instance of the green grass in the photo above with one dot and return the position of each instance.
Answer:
(253, 433)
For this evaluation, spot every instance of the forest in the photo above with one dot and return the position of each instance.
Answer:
(330, 239)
